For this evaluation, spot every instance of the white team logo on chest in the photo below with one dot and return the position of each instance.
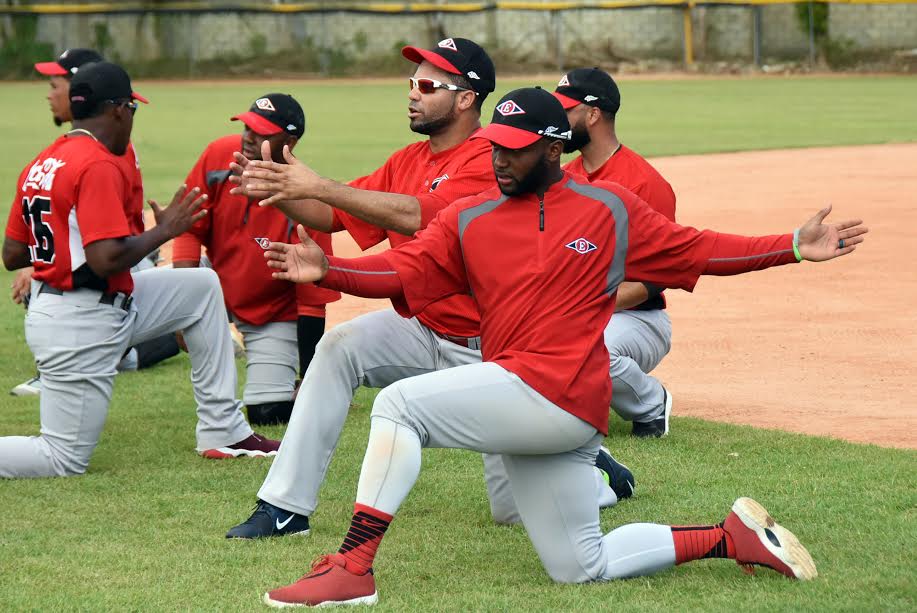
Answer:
(264, 243)
(581, 245)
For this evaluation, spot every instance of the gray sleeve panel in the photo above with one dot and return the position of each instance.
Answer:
(619, 212)
(215, 177)
(470, 214)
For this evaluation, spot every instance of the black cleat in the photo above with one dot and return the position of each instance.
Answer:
(617, 476)
(268, 520)
(658, 427)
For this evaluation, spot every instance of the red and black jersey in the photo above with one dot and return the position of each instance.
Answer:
(73, 194)
(629, 169)
(545, 273)
(436, 180)
(236, 231)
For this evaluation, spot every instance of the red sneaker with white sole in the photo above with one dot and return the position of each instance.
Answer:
(759, 540)
(329, 584)
(255, 446)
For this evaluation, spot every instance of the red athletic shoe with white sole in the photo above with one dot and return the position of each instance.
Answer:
(759, 540)
(255, 446)
(329, 584)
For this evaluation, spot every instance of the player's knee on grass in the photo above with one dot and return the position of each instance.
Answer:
(270, 413)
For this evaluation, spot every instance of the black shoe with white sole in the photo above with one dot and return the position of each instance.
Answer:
(617, 476)
(658, 427)
(268, 520)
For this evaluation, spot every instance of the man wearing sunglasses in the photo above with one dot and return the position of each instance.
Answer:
(59, 73)
(71, 221)
(377, 349)
(280, 322)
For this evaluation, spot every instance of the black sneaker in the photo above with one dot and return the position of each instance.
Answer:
(268, 520)
(658, 427)
(617, 476)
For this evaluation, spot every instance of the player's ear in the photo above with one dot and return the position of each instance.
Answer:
(555, 149)
(593, 116)
(291, 142)
(466, 100)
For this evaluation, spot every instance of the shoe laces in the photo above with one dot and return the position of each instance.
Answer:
(319, 563)
(260, 508)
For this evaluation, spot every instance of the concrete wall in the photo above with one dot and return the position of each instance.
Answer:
(525, 38)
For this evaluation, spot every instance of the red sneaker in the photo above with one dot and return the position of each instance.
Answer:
(329, 584)
(255, 446)
(759, 540)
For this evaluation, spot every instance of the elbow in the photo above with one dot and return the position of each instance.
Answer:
(15, 255)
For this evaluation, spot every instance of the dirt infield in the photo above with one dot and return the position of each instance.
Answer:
(824, 349)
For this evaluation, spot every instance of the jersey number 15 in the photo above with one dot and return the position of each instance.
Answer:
(34, 211)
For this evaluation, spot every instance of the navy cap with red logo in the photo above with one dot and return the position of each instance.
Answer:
(590, 86)
(69, 62)
(459, 56)
(525, 115)
(97, 83)
(274, 113)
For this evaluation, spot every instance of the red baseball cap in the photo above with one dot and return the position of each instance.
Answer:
(524, 116)
(274, 113)
(68, 63)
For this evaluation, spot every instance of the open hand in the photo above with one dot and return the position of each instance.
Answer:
(22, 284)
(243, 184)
(303, 263)
(819, 241)
(291, 181)
(182, 212)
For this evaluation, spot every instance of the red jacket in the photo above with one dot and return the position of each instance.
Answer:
(545, 276)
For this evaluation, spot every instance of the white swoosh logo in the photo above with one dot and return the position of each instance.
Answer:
(281, 525)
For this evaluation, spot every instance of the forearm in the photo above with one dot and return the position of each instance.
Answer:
(630, 295)
(15, 254)
(732, 255)
(395, 212)
(309, 212)
(111, 256)
(368, 277)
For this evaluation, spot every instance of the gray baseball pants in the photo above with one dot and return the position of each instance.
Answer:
(375, 349)
(548, 454)
(78, 342)
(271, 361)
(636, 342)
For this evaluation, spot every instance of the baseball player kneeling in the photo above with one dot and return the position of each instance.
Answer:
(70, 221)
(281, 322)
(539, 399)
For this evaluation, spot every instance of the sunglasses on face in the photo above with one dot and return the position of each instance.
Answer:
(130, 104)
(428, 86)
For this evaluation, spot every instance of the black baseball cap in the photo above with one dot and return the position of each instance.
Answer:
(459, 56)
(274, 113)
(590, 86)
(68, 63)
(99, 82)
(525, 115)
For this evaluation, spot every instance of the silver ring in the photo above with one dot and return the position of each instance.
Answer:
(840, 244)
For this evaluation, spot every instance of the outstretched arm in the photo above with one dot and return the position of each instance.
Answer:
(298, 191)
(666, 254)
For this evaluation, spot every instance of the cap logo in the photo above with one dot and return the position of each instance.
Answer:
(590, 98)
(564, 82)
(581, 246)
(264, 104)
(290, 127)
(264, 243)
(447, 43)
(510, 108)
(77, 98)
(74, 69)
(64, 54)
(473, 75)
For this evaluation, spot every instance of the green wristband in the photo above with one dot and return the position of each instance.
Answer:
(796, 245)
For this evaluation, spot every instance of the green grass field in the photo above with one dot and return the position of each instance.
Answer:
(143, 530)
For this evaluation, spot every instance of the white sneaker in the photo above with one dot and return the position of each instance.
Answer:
(32, 387)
